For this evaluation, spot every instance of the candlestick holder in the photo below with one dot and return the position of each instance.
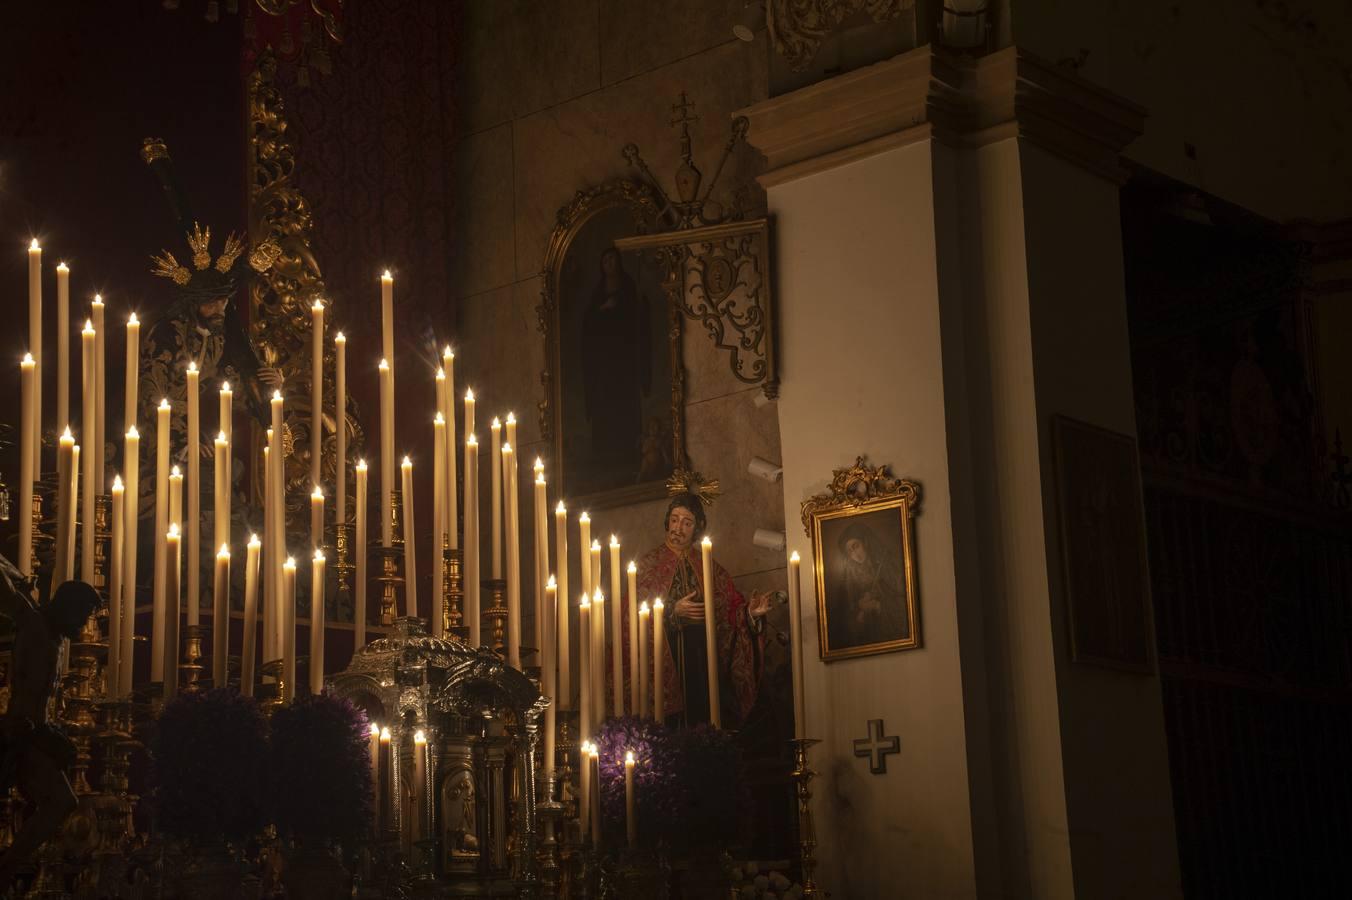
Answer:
(103, 539)
(802, 776)
(40, 537)
(497, 614)
(272, 693)
(550, 813)
(390, 581)
(191, 669)
(452, 569)
(343, 568)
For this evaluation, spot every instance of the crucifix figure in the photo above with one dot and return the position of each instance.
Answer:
(877, 747)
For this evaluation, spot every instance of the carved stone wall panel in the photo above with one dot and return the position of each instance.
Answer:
(798, 27)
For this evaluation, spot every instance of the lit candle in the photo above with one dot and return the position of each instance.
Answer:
(584, 666)
(438, 521)
(547, 673)
(593, 763)
(87, 431)
(598, 656)
(375, 773)
(542, 609)
(659, 661)
(596, 565)
(410, 543)
(65, 504)
(131, 384)
(513, 539)
(246, 653)
(641, 706)
(220, 619)
(617, 629)
(131, 464)
(469, 412)
(630, 815)
(711, 631)
(382, 787)
(317, 624)
(27, 457)
(74, 492)
(194, 487)
(271, 628)
(471, 567)
(796, 643)
(387, 314)
(176, 497)
(452, 489)
(495, 498)
(157, 621)
(289, 629)
(565, 682)
(220, 494)
(35, 344)
(96, 309)
(585, 785)
(118, 528)
(511, 429)
(420, 803)
(317, 517)
(361, 552)
(276, 541)
(316, 393)
(635, 642)
(340, 421)
(173, 566)
(386, 453)
(584, 549)
(62, 343)
(222, 509)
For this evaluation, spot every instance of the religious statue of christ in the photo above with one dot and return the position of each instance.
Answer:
(673, 571)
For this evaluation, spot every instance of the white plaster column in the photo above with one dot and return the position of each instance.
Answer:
(949, 277)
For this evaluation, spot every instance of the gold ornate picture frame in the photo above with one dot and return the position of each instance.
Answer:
(614, 384)
(863, 545)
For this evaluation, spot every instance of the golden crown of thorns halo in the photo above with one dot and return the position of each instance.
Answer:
(688, 481)
(261, 257)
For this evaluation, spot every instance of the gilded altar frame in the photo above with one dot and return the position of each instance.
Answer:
(872, 497)
(645, 208)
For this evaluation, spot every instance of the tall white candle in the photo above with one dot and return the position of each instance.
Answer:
(420, 798)
(495, 498)
(317, 517)
(361, 551)
(410, 542)
(131, 464)
(471, 567)
(27, 458)
(278, 538)
(62, 343)
(176, 498)
(641, 707)
(616, 628)
(596, 565)
(386, 453)
(513, 540)
(796, 643)
(585, 788)
(659, 662)
(635, 641)
(510, 434)
(317, 620)
(157, 615)
(271, 603)
(96, 309)
(452, 489)
(711, 631)
(340, 422)
(593, 762)
(131, 379)
(469, 412)
(548, 681)
(220, 504)
(70, 530)
(584, 642)
(118, 529)
(584, 550)
(87, 432)
(437, 555)
(598, 656)
(289, 629)
(246, 652)
(194, 488)
(565, 683)
(541, 544)
(220, 619)
(630, 813)
(35, 344)
(226, 428)
(316, 392)
(173, 567)
(387, 315)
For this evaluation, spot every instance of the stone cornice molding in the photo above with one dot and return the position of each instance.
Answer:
(928, 93)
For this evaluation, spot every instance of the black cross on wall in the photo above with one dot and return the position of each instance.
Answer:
(876, 747)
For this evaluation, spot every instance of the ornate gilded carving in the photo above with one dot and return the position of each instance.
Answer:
(856, 485)
(798, 27)
(280, 321)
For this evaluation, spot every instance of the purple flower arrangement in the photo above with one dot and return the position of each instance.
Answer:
(208, 766)
(686, 783)
(319, 764)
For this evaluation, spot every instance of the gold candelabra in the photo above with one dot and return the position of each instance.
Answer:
(802, 776)
(191, 669)
(451, 571)
(343, 568)
(497, 614)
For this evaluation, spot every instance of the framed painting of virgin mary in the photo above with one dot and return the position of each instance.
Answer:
(614, 401)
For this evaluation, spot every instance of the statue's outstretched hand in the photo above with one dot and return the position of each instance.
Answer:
(760, 604)
(271, 377)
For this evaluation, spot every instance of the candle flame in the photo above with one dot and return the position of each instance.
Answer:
(319, 556)
(89, 327)
(387, 276)
(66, 435)
(598, 597)
(276, 396)
(552, 583)
(225, 387)
(561, 509)
(164, 404)
(133, 433)
(643, 608)
(584, 602)
(224, 552)
(469, 395)
(446, 351)
(98, 300)
(174, 472)
(633, 567)
(539, 464)
(385, 733)
(34, 245)
(408, 463)
(340, 338)
(657, 603)
(317, 306)
(317, 493)
(596, 546)
(419, 737)
(361, 465)
(438, 419)
(441, 374)
(793, 557)
(706, 542)
(28, 360)
(511, 418)
(117, 483)
(62, 267)
(384, 366)
(540, 479)
(629, 757)
(173, 531)
(254, 541)
(506, 448)
(472, 441)
(375, 730)
(584, 517)
(496, 423)
(132, 320)
(221, 438)
(290, 563)
(592, 751)
(614, 541)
